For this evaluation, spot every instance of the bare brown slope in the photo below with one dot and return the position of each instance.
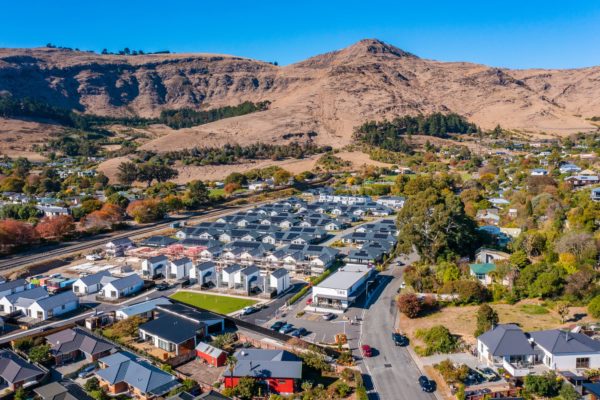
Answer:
(330, 93)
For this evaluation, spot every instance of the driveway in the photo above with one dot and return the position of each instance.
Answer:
(393, 372)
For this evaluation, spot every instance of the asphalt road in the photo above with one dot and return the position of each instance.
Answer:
(272, 310)
(394, 375)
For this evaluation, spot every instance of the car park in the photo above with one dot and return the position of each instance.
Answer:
(287, 328)
(299, 332)
(366, 350)
(278, 325)
(399, 339)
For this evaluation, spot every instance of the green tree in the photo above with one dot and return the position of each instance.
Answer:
(437, 339)
(594, 307)
(487, 317)
(196, 195)
(92, 384)
(127, 173)
(568, 392)
(546, 385)
(246, 388)
(40, 353)
(236, 177)
(436, 224)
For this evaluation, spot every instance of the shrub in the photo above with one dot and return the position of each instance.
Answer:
(343, 389)
(410, 305)
(451, 373)
(546, 385)
(437, 339)
(594, 307)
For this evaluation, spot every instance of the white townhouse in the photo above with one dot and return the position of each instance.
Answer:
(155, 266)
(122, 287)
(92, 283)
(180, 268)
(53, 306)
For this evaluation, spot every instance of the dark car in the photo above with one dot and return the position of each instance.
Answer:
(426, 384)
(367, 351)
(399, 339)
(299, 332)
(277, 325)
(287, 328)
(162, 286)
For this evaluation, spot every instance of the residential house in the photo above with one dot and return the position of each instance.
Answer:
(53, 306)
(583, 180)
(21, 301)
(595, 194)
(481, 272)
(539, 172)
(117, 247)
(53, 211)
(172, 333)
(122, 287)
(12, 287)
(154, 267)
(279, 280)
(58, 391)
(143, 309)
(92, 283)
(395, 202)
(179, 269)
(159, 241)
(506, 346)
(76, 344)
(488, 216)
(16, 372)
(278, 370)
(569, 168)
(204, 273)
(485, 255)
(567, 351)
(125, 373)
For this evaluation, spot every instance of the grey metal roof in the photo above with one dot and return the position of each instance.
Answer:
(562, 342)
(506, 340)
(51, 302)
(262, 363)
(157, 259)
(31, 294)
(206, 266)
(69, 340)
(127, 281)
(279, 273)
(94, 279)
(181, 261)
(232, 268)
(54, 391)
(253, 269)
(9, 285)
(144, 307)
(126, 367)
(172, 328)
(15, 369)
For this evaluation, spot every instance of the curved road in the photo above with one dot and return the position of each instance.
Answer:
(393, 372)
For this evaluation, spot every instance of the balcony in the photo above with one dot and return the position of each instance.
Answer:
(516, 371)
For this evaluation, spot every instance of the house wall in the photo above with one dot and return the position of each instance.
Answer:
(214, 361)
(568, 361)
(36, 311)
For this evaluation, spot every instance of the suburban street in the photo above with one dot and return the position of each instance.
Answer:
(393, 372)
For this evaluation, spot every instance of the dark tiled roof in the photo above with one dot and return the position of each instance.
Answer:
(70, 340)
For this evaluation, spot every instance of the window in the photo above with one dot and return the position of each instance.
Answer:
(583, 362)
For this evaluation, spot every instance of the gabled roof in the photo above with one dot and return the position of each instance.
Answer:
(280, 273)
(57, 300)
(144, 306)
(506, 340)
(261, 363)
(205, 266)
(127, 281)
(210, 350)
(31, 295)
(253, 269)
(181, 261)
(96, 278)
(157, 259)
(126, 367)
(9, 285)
(15, 369)
(562, 342)
(70, 340)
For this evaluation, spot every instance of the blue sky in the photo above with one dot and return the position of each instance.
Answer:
(516, 34)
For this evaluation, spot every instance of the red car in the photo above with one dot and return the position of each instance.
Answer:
(309, 301)
(367, 351)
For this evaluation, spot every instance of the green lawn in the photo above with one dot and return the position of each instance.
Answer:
(533, 309)
(219, 304)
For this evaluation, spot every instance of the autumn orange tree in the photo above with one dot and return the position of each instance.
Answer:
(15, 233)
(53, 228)
(105, 218)
(148, 210)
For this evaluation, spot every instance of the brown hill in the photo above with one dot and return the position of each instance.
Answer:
(329, 94)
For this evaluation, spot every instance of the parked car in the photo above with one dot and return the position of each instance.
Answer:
(309, 301)
(427, 385)
(87, 371)
(287, 328)
(162, 286)
(328, 316)
(366, 350)
(248, 310)
(277, 325)
(488, 374)
(299, 332)
(399, 339)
